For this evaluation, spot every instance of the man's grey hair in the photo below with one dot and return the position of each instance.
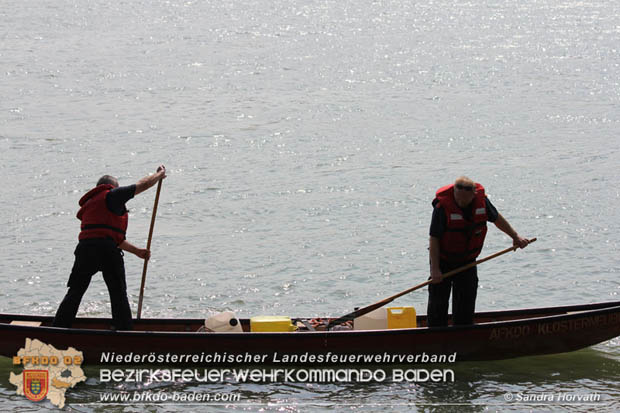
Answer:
(107, 179)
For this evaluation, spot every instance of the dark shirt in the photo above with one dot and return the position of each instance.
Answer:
(438, 221)
(118, 197)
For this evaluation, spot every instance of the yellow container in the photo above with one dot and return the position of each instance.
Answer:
(401, 317)
(271, 324)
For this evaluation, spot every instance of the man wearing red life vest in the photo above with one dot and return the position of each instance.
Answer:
(101, 242)
(457, 233)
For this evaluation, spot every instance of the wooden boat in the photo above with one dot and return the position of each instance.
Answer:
(496, 335)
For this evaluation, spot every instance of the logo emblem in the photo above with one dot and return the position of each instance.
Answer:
(36, 384)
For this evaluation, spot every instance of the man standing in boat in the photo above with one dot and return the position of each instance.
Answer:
(457, 232)
(101, 244)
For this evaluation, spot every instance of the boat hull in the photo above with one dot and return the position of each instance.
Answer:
(495, 336)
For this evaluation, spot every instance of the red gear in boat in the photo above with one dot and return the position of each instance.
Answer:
(97, 220)
(463, 238)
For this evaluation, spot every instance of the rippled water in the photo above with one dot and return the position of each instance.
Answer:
(305, 141)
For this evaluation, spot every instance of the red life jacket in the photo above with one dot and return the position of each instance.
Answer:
(97, 220)
(463, 238)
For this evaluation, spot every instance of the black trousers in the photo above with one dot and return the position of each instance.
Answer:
(92, 256)
(464, 287)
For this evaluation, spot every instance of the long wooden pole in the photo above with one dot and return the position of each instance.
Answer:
(148, 247)
(365, 310)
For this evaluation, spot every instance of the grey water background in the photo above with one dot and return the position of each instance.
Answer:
(304, 141)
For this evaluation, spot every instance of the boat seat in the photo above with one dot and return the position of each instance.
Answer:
(26, 323)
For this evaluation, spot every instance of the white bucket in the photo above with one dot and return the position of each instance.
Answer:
(375, 320)
(223, 322)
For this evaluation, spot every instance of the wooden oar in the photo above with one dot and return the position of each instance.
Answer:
(148, 247)
(360, 312)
